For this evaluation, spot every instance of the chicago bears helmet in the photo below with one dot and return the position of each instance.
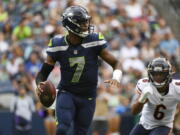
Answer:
(160, 72)
(77, 20)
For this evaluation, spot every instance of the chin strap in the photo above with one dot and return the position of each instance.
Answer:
(44, 73)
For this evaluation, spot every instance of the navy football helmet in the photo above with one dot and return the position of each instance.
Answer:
(77, 20)
(160, 72)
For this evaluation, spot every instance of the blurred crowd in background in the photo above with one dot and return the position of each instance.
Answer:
(136, 34)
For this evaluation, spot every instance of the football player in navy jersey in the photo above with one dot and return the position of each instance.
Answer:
(77, 54)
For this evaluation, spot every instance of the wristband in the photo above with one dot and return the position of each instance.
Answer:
(117, 75)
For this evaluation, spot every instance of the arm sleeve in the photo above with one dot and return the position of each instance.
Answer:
(44, 73)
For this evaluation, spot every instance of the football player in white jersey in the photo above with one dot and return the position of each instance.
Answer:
(157, 98)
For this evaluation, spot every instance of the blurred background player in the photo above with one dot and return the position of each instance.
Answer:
(158, 96)
(77, 53)
(23, 107)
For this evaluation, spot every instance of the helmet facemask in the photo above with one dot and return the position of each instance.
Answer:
(159, 72)
(159, 79)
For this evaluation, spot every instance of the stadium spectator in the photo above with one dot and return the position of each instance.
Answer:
(23, 107)
(129, 50)
(33, 64)
(21, 31)
(3, 16)
(169, 45)
(3, 44)
(134, 10)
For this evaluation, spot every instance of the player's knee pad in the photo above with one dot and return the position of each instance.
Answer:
(61, 129)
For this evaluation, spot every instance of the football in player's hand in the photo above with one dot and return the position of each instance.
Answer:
(48, 93)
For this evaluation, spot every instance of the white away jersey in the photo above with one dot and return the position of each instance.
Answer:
(159, 110)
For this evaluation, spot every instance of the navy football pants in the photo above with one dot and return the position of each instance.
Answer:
(71, 108)
(140, 130)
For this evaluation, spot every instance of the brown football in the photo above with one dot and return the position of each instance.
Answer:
(48, 95)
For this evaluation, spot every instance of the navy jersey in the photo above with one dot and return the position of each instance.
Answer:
(79, 64)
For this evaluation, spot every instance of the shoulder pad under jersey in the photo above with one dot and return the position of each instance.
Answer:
(142, 83)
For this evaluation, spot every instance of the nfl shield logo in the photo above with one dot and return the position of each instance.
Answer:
(75, 52)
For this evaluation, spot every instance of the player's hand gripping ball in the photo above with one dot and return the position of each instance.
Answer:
(46, 93)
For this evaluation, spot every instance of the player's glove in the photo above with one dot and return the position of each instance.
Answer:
(145, 93)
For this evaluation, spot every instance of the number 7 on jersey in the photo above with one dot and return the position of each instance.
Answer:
(80, 61)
